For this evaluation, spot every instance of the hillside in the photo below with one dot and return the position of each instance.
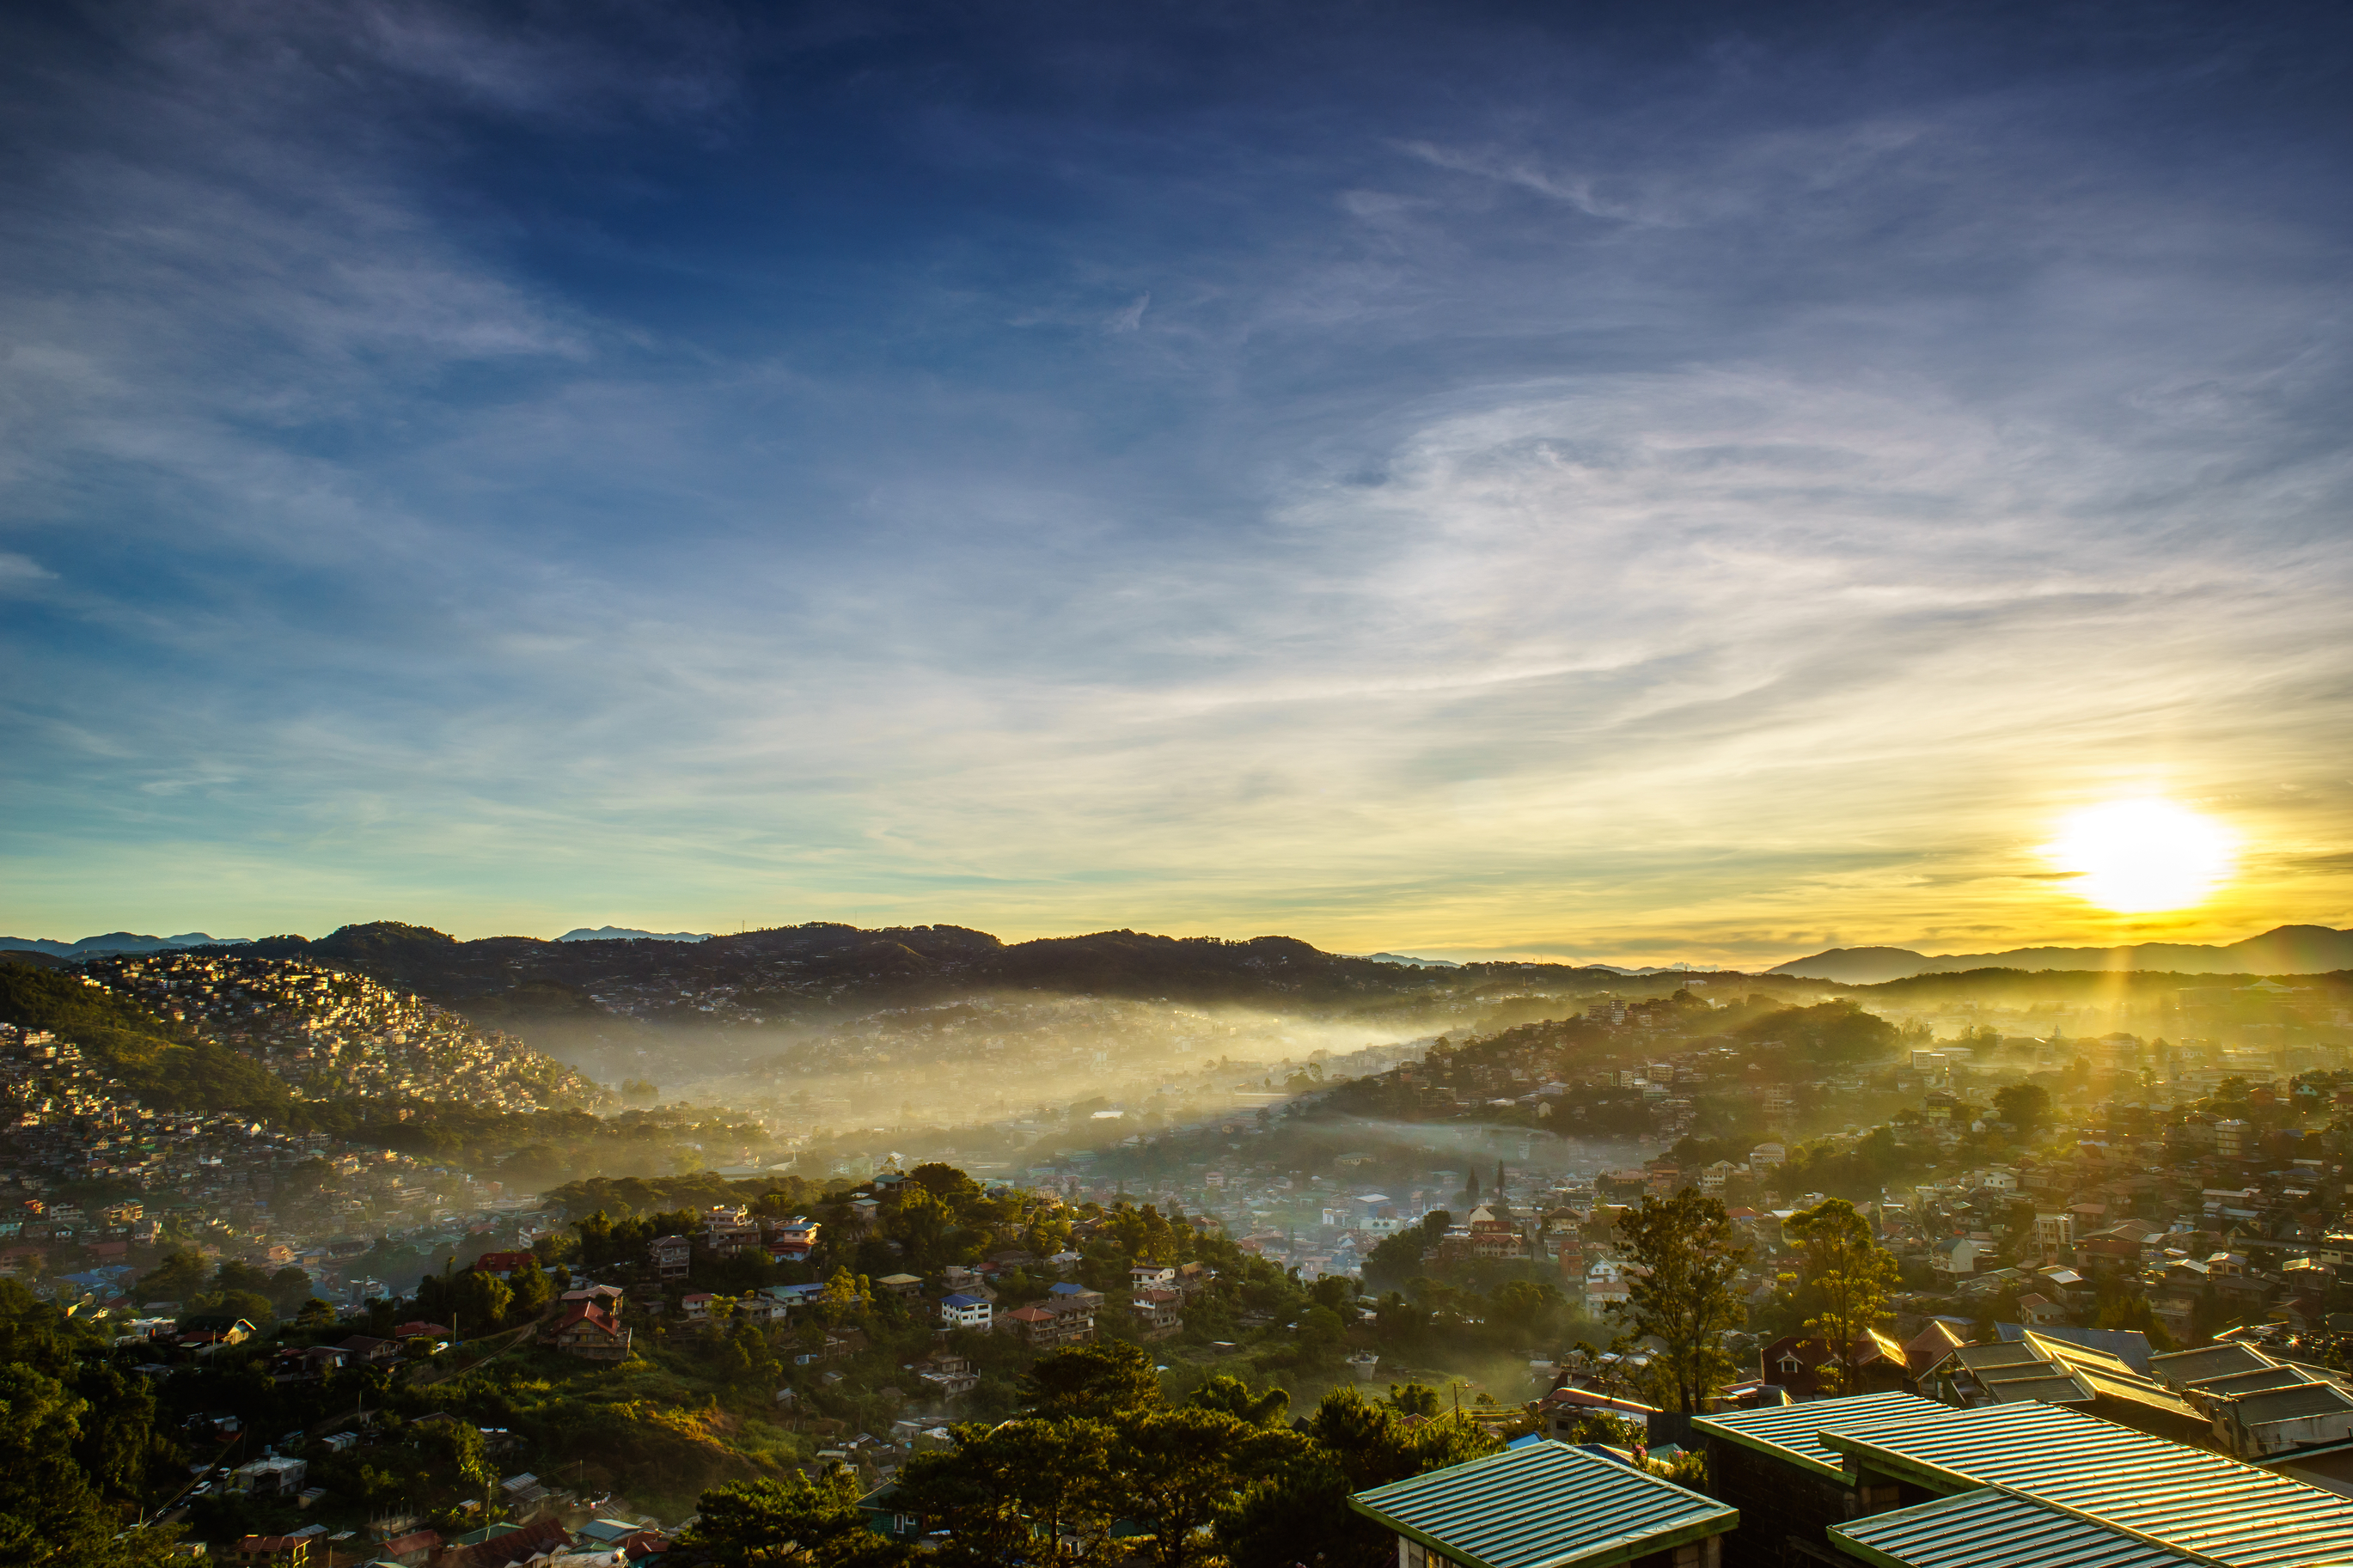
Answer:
(2286, 949)
(165, 1065)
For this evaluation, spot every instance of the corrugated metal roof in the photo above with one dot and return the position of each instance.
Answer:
(2183, 1367)
(2289, 1404)
(2057, 1372)
(1994, 1529)
(2188, 1497)
(2254, 1382)
(2050, 1386)
(1545, 1506)
(1790, 1432)
(2139, 1391)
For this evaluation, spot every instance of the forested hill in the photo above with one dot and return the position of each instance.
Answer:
(822, 967)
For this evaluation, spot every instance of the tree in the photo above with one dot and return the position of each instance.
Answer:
(1094, 1382)
(1179, 1468)
(749, 1524)
(457, 1448)
(1413, 1399)
(1024, 1491)
(1524, 1307)
(744, 1360)
(1321, 1330)
(1850, 1272)
(1300, 1513)
(846, 1296)
(532, 1291)
(945, 1182)
(79, 1443)
(1232, 1395)
(2025, 1106)
(919, 1220)
(1682, 1294)
(478, 1301)
(179, 1278)
(288, 1289)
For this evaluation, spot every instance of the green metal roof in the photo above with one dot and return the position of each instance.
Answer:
(1544, 1505)
(1788, 1432)
(1993, 1529)
(2198, 1502)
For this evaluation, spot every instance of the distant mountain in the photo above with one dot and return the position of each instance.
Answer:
(117, 941)
(1416, 962)
(827, 970)
(622, 934)
(2288, 949)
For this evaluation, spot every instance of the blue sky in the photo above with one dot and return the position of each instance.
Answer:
(1629, 482)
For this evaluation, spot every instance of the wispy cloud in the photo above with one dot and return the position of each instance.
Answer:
(1692, 502)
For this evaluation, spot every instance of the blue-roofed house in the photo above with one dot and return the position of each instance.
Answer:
(963, 1311)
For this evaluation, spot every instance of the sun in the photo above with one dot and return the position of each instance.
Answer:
(2137, 856)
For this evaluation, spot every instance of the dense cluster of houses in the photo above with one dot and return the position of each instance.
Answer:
(222, 1182)
(329, 1034)
(957, 1298)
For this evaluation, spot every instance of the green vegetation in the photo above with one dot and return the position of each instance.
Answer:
(83, 1449)
(1848, 1273)
(1098, 1465)
(1681, 1293)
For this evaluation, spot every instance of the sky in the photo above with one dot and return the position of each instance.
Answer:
(1641, 483)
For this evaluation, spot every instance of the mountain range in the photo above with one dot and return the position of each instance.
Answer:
(825, 970)
(623, 933)
(115, 941)
(2284, 950)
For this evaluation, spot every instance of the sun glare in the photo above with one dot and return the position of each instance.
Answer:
(2135, 856)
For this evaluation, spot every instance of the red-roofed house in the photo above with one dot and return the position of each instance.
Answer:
(540, 1538)
(588, 1331)
(505, 1264)
(410, 1549)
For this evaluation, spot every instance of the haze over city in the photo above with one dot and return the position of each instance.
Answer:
(1642, 485)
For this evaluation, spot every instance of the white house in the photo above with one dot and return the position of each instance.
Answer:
(1956, 1257)
(963, 1311)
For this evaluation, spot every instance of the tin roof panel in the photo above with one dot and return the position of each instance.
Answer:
(1995, 1529)
(2189, 1497)
(1544, 1505)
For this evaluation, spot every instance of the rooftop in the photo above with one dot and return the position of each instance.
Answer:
(2188, 1499)
(1993, 1529)
(1544, 1505)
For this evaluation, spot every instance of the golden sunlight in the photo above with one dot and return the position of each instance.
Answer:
(2136, 855)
